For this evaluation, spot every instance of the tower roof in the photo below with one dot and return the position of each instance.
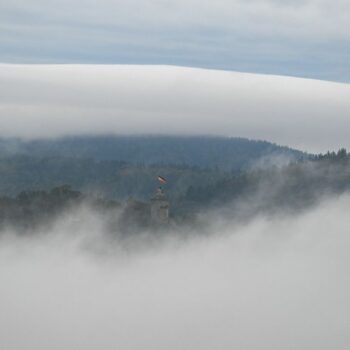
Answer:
(159, 195)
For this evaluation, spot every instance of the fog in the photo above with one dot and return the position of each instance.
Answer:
(57, 100)
(275, 282)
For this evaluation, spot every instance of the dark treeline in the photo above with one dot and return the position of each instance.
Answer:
(191, 190)
(30, 209)
(342, 154)
(118, 167)
(203, 151)
(112, 179)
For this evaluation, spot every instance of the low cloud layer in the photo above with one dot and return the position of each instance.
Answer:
(277, 283)
(57, 100)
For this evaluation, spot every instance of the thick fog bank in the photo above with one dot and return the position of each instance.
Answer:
(57, 100)
(275, 283)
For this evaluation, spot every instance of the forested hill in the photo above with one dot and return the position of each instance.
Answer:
(190, 190)
(203, 151)
(110, 178)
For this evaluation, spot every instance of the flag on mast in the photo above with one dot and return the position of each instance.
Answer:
(161, 179)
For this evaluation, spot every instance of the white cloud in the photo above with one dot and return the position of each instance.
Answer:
(278, 283)
(56, 100)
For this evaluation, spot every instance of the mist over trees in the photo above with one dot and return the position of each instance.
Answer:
(276, 230)
(40, 179)
(292, 187)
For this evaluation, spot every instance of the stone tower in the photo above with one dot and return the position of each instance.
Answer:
(159, 208)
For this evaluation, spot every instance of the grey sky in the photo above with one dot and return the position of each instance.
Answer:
(56, 100)
(309, 38)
